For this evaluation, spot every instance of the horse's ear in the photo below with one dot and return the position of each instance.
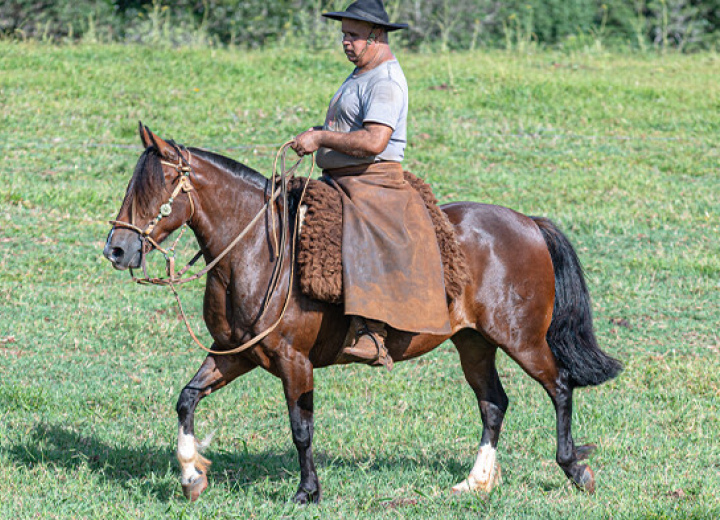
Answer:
(145, 135)
(166, 150)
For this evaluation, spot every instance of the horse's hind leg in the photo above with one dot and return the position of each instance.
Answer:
(213, 374)
(477, 358)
(540, 364)
(568, 454)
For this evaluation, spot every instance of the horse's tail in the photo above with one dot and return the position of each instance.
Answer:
(570, 336)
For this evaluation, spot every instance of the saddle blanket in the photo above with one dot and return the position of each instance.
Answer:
(319, 252)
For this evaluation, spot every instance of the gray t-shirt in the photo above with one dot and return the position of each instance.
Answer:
(379, 95)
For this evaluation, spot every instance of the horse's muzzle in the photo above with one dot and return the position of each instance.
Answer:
(124, 249)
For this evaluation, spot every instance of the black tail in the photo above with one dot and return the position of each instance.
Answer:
(570, 336)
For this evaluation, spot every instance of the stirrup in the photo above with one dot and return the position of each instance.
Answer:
(382, 357)
(352, 354)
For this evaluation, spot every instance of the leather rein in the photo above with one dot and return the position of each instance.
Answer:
(173, 278)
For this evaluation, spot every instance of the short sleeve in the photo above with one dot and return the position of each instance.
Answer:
(384, 102)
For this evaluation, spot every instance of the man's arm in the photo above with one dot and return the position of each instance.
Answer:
(371, 139)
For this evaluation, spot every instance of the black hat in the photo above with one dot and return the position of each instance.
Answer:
(370, 11)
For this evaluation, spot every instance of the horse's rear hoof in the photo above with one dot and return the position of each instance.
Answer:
(586, 481)
(193, 490)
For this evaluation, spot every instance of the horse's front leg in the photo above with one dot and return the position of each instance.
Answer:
(213, 374)
(296, 373)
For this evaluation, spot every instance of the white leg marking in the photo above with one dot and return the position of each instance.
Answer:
(485, 473)
(187, 455)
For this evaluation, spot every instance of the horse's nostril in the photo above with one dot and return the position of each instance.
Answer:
(117, 253)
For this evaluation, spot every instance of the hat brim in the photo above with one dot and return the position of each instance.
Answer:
(366, 18)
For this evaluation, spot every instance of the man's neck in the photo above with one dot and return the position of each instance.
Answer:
(383, 54)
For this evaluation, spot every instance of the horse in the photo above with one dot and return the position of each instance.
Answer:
(526, 296)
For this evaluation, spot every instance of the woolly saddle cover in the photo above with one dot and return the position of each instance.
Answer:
(319, 252)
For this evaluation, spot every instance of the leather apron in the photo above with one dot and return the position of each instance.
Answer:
(392, 269)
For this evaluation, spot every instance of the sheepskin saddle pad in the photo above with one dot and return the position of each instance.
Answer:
(319, 251)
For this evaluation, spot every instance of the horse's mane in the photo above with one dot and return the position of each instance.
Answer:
(149, 181)
(231, 165)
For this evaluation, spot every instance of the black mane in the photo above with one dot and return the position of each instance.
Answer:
(231, 165)
(147, 182)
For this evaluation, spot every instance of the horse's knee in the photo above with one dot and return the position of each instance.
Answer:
(186, 403)
(301, 437)
(302, 432)
(301, 421)
(493, 412)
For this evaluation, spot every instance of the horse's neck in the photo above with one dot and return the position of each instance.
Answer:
(228, 203)
(238, 284)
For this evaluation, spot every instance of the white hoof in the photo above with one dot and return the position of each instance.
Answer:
(475, 485)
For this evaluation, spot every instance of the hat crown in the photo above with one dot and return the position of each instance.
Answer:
(372, 7)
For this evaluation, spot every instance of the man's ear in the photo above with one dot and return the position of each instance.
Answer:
(166, 150)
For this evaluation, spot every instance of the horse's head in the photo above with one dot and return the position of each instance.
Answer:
(157, 202)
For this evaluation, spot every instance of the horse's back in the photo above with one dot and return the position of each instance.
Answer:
(474, 217)
(511, 269)
(498, 230)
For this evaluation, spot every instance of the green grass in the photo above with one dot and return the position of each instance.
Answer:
(620, 150)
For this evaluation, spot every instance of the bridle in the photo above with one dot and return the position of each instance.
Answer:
(184, 185)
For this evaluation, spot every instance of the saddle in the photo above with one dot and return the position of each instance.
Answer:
(319, 247)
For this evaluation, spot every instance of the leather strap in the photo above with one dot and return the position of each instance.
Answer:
(359, 169)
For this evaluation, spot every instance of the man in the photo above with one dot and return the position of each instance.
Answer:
(392, 269)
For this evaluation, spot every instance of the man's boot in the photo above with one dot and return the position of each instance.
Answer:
(368, 344)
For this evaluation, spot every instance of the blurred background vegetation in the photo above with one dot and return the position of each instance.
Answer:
(642, 25)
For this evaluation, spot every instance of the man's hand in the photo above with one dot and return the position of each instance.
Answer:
(306, 142)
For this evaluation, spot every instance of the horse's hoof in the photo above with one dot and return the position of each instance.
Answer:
(304, 497)
(472, 484)
(193, 490)
(586, 481)
(584, 451)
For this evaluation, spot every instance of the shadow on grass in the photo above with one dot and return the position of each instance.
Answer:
(59, 447)
(142, 468)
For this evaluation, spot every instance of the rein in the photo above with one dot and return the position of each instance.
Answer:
(184, 185)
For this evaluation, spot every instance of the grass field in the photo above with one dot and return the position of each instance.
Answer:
(621, 151)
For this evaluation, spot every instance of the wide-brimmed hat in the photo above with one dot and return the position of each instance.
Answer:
(370, 11)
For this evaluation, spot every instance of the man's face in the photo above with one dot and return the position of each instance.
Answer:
(355, 35)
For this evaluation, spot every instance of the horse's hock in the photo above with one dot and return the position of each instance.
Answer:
(319, 254)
